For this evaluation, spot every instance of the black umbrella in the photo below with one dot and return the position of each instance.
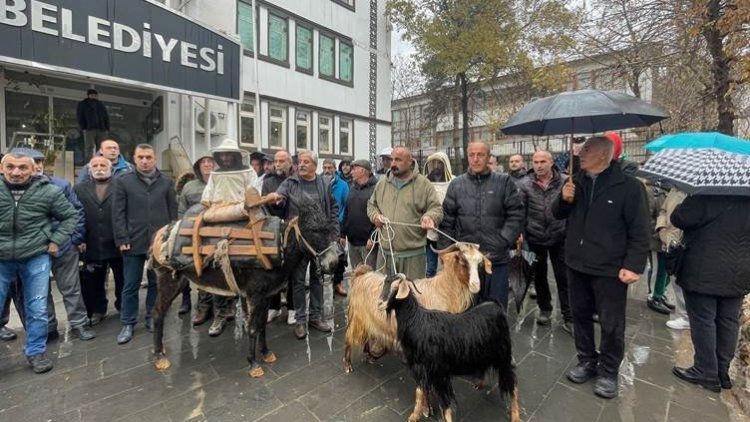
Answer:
(584, 111)
(520, 275)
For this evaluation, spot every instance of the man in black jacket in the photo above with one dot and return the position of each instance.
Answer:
(606, 247)
(93, 120)
(100, 253)
(357, 226)
(546, 235)
(143, 202)
(485, 208)
(309, 183)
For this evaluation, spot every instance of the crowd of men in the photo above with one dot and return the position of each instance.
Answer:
(593, 227)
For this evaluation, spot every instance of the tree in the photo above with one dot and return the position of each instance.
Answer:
(463, 43)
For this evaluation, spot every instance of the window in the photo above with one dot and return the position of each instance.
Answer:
(324, 135)
(349, 4)
(345, 137)
(303, 130)
(278, 38)
(326, 56)
(247, 124)
(277, 128)
(346, 64)
(304, 47)
(246, 26)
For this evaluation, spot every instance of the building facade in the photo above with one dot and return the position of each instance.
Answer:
(309, 75)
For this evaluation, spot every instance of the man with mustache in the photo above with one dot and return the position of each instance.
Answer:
(404, 196)
(99, 253)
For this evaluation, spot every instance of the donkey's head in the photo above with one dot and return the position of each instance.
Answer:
(319, 240)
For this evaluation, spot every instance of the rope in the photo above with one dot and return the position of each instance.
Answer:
(221, 257)
(388, 234)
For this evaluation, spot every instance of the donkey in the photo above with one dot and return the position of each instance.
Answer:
(310, 238)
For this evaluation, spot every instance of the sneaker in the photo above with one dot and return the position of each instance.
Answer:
(582, 373)
(679, 324)
(273, 314)
(300, 331)
(606, 387)
(655, 304)
(666, 303)
(290, 319)
(6, 334)
(321, 326)
(217, 326)
(40, 363)
(543, 318)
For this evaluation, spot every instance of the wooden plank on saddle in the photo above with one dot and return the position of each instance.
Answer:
(234, 250)
(256, 226)
(231, 233)
(197, 258)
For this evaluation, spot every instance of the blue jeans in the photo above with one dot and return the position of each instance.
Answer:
(495, 285)
(431, 260)
(34, 277)
(133, 274)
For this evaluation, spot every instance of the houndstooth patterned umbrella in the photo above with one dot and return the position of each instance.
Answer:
(705, 171)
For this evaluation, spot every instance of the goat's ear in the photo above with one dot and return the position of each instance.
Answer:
(487, 265)
(403, 290)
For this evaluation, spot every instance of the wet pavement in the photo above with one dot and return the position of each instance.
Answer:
(100, 380)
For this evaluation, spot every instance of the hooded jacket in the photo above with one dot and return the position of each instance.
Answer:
(408, 204)
(92, 115)
(357, 226)
(193, 190)
(485, 209)
(340, 190)
(607, 225)
(445, 177)
(79, 234)
(26, 228)
(542, 228)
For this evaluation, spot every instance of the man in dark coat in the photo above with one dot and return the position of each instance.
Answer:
(516, 167)
(485, 208)
(714, 276)
(144, 201)
(100, 253)
(306, 182)
(282, 163)
(93, 120)
(357, 227)
(545, 235)
(606, 247)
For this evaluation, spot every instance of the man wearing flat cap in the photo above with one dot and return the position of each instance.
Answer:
(357, 227)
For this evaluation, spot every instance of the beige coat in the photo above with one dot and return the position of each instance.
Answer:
(440, 187)
(228, 186)
(667, 232)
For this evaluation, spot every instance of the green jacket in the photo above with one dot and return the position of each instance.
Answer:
(26, 228)
(415, 199)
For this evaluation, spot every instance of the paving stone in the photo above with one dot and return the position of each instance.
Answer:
(293, 411)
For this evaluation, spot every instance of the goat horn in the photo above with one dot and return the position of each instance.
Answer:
(450, 248)
(414, 286)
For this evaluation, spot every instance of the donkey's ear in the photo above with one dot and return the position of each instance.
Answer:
(403, 289)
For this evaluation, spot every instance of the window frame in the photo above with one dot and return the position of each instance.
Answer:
(248, 51)
(329, 127)
(321, 75)
(338, 63)
(283, 120)
(273, 13)
(350, 137)
(244, 114)
(297, 26)
(346, 4)
(308, 126)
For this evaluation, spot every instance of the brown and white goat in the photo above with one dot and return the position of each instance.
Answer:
(450, 290)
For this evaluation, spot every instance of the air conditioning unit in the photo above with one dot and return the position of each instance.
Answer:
(217, 121)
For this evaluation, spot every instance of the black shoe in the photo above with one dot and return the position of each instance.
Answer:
(543, 318)
(567, 326)
(663, 300)
(40, 363)
(582, 373)
(126, 334)
(689, 375)
(6, 334)
(52, 336)
(84, 333)
(300, 331)
(655, 304)
(321, 326)
(95, 319)
(725, 381)
(149, 324)
(186, 305)
(606, 387)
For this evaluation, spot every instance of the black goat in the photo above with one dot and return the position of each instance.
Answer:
(438, 345)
